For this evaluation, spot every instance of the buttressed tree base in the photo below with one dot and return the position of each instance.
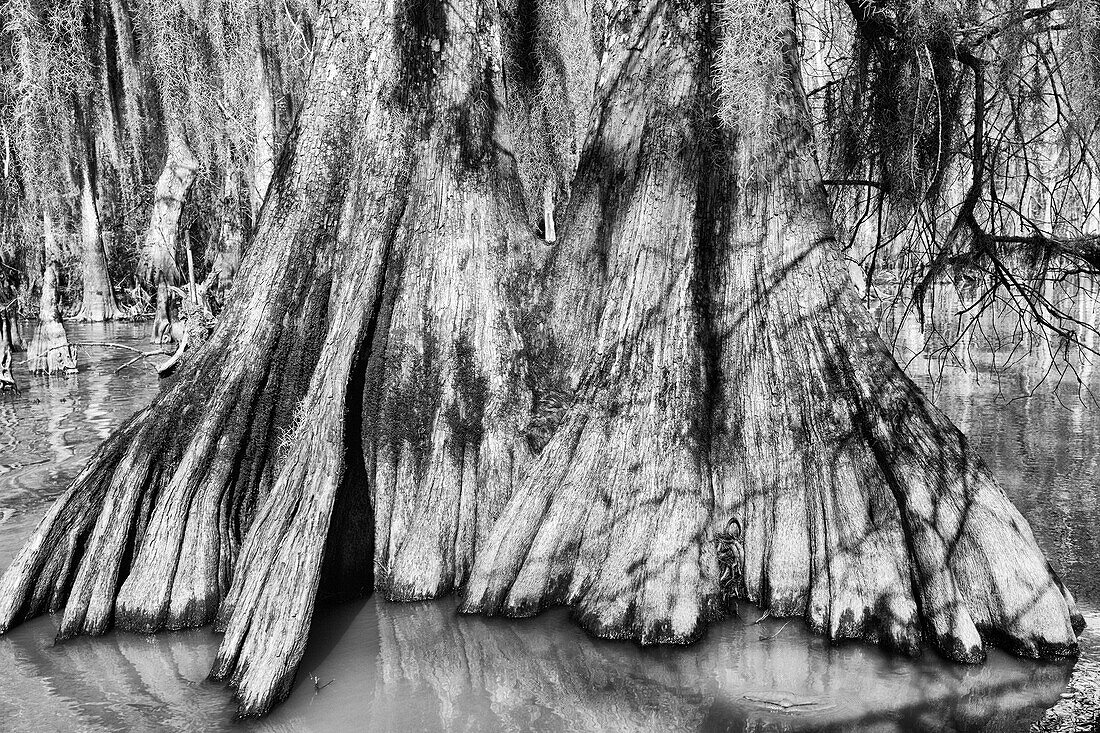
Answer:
(540, 310)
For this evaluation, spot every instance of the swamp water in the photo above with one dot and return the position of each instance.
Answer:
(413, 667)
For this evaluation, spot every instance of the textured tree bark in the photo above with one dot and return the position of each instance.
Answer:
(445, 408)
(158, 265)
(614, 518)
(9, 311)
(18, 343)
(166, 327)
(133, 88)
(864, 509)
(44, 354)
(49, 352)
(10, 314)
(98, 299)
(398, 399)
(735, 381)
(679, 400)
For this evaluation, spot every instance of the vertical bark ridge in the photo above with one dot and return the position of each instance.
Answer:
(266, 616)
(444, 428)
(263, 155)
(614, 516)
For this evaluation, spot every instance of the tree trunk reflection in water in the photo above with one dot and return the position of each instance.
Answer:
(419, 666)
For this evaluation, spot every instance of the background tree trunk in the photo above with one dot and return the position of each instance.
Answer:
(263, 163)
(133, 88)
(98, 299)
(7, 379)
(225, 260)
(162, 237)
(49, 352)
(9, 312)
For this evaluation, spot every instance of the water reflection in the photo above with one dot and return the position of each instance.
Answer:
(545, 674)
(1039, 436)
(420, 667)
(49, 428)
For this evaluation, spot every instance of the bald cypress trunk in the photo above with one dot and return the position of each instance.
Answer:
(147, 536)
(49, 352)
(731, 390)
(9, 313)
(133, 91)
(159, 268)
(615, 515)
(864, 509)
(98, 298)
(676, 402)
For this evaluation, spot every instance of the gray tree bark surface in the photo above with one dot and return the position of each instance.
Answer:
(678, 401)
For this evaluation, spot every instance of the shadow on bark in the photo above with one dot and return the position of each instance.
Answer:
(734, 377)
